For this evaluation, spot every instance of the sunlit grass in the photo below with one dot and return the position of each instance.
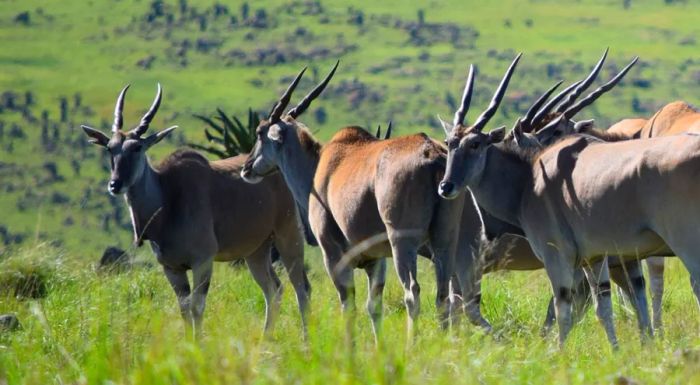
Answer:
(125, 328)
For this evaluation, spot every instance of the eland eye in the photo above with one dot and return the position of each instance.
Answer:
(474, 145)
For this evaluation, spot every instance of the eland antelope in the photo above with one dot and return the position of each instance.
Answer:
(580, 200)
(506, 234)
(553, 122)
(195, 212)
(672, 119)
(366, 199)
(497, 246)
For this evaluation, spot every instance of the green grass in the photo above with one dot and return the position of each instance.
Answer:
(108, 328)
(125, 328)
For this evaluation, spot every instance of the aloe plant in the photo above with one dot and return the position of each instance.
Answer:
(228, 136)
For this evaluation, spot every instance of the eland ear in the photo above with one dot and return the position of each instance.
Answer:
(584, 126)
(497, 134)
(447, 126)
(274, 133)
(518, 134)
(158, 136)
(96, 137)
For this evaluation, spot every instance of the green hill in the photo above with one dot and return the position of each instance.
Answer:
(63, 64)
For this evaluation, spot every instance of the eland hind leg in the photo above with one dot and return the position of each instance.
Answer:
(630, 279)
(264, 275)
(201, 280)
(376, 278)
(291, 248)
(656, 287)
(599, 278)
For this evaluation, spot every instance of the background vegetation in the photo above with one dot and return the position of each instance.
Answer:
(63, 63)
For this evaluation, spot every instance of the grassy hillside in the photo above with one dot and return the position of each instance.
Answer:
(399, 61)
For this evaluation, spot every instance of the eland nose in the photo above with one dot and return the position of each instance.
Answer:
(114, 186)
(446, 189)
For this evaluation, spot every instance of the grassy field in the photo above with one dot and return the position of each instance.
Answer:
(63, 63)
(125, 328)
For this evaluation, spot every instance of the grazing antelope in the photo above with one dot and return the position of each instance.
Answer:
(366, 199)
(508, 235)
(628, 129)
(672, 119)
(195, 212)
(500, 246)
(529, 132)
(581, 200)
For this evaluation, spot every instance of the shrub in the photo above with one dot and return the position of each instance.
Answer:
(27, 274)
(228, 136)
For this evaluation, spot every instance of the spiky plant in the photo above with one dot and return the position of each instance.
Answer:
(228, 136)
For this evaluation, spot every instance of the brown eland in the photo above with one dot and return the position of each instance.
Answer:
(629, 276)
(580, 200)
(194, 212)
(545, 126)
(672, 119)
(366, 199)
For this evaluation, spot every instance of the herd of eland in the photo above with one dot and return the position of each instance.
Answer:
(587, 205)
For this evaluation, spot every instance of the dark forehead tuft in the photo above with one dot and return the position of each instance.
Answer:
(116, 139)
(130, 143)
(462, 131)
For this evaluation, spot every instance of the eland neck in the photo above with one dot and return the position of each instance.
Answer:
(145, 200)
(500, 188)
(299, 169)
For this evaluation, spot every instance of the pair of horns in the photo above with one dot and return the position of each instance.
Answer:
(387, 135)
(278, 109)
(490, 111)
(566, 107)
(145, 120)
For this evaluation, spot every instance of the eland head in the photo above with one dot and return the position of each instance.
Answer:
(127, 149)
(273, 133)
(466, 144)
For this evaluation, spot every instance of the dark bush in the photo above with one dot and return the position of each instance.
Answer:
(228, 136)
(114, 258)
(25, 277)
(9, 322)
